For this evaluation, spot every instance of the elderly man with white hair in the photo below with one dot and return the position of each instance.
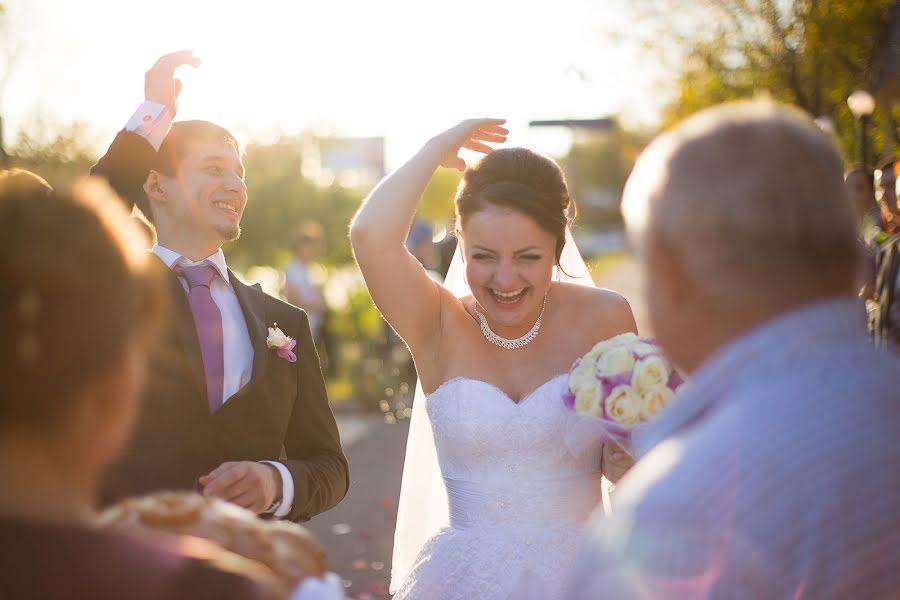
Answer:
(775, 472)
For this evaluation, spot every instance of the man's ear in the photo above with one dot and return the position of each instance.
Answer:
(153, 187)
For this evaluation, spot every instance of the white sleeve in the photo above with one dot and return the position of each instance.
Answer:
(283, 508)
(152, 122)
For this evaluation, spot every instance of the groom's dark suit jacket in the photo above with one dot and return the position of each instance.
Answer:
(281, 414)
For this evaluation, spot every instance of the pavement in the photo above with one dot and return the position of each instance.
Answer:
(626, 278)
(358, 534)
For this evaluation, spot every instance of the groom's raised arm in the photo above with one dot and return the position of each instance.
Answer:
(130, 157)
(128, 160)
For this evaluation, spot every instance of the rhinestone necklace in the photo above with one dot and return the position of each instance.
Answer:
(508, 344)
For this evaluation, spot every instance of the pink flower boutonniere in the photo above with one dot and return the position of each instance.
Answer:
(282, 344)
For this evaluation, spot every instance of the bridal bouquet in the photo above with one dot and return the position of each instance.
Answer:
(621, 383)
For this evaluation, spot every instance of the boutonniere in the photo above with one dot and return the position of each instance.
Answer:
(282, 344)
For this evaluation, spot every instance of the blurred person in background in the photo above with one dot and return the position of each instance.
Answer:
(884, 293)
(79, 303)
(420, 244)
(886, 196)
(861, 193)
(861, 189)
(300, 286)
(303, 288)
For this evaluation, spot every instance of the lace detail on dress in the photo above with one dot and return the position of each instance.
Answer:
(518, 498)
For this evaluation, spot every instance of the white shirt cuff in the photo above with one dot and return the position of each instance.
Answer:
(287, 490)
(152, 122)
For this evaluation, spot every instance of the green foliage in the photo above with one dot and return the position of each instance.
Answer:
(279, 199)
(810, 53)
(373, 363)
(602, 161)
(58, 154)
(437, 200)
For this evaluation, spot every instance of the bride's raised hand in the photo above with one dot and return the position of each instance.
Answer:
(404, 293)
(470, 134)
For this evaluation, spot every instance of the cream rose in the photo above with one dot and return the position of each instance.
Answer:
(588, 399)
(599, 348)
(649, 373)
(643, 349)
(615, 360)
(623, 405)
(276, 337)
(654, 400)
(623, 339)
(583, 374)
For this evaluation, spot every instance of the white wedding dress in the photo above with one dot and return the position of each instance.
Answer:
(517, 497)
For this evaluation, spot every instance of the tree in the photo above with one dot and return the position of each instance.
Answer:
(437, 199)
(280, 199)
(603, 162)
(58, 153)
(810, 53)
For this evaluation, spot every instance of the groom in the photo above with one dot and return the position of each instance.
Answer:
(774, 473)
(224, 412)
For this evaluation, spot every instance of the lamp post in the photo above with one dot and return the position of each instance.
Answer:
(862, 105)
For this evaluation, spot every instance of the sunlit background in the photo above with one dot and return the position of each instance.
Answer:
(327, 96)
(401, 69)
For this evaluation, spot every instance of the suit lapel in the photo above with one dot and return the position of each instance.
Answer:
(251, 299)
(186, 331)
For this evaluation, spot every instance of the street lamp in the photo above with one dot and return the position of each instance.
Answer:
(862, 105)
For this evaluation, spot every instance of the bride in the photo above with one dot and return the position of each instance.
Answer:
(492, 347)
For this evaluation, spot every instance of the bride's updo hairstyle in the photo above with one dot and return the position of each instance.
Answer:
(519, 179)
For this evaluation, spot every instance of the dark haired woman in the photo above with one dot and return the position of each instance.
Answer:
(492, 347)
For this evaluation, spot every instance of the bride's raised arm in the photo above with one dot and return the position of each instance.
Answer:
(401, 289)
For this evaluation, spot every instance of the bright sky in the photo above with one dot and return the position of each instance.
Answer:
(404, 69)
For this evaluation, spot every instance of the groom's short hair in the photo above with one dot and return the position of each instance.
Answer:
(751, 198)
(176, 145)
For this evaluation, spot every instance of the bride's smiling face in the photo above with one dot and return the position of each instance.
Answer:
(509, 266)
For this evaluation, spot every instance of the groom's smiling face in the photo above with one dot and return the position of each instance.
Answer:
(207, 195)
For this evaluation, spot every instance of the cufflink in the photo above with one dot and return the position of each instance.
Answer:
(271, 510)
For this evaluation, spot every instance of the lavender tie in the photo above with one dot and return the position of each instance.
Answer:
(208, 320)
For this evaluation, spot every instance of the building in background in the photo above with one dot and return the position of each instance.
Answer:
(353, 162)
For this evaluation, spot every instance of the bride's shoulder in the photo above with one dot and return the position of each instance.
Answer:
(596, 306)
(592, 297)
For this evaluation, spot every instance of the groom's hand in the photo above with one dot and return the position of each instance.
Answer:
(160, 84)
(252, 485)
